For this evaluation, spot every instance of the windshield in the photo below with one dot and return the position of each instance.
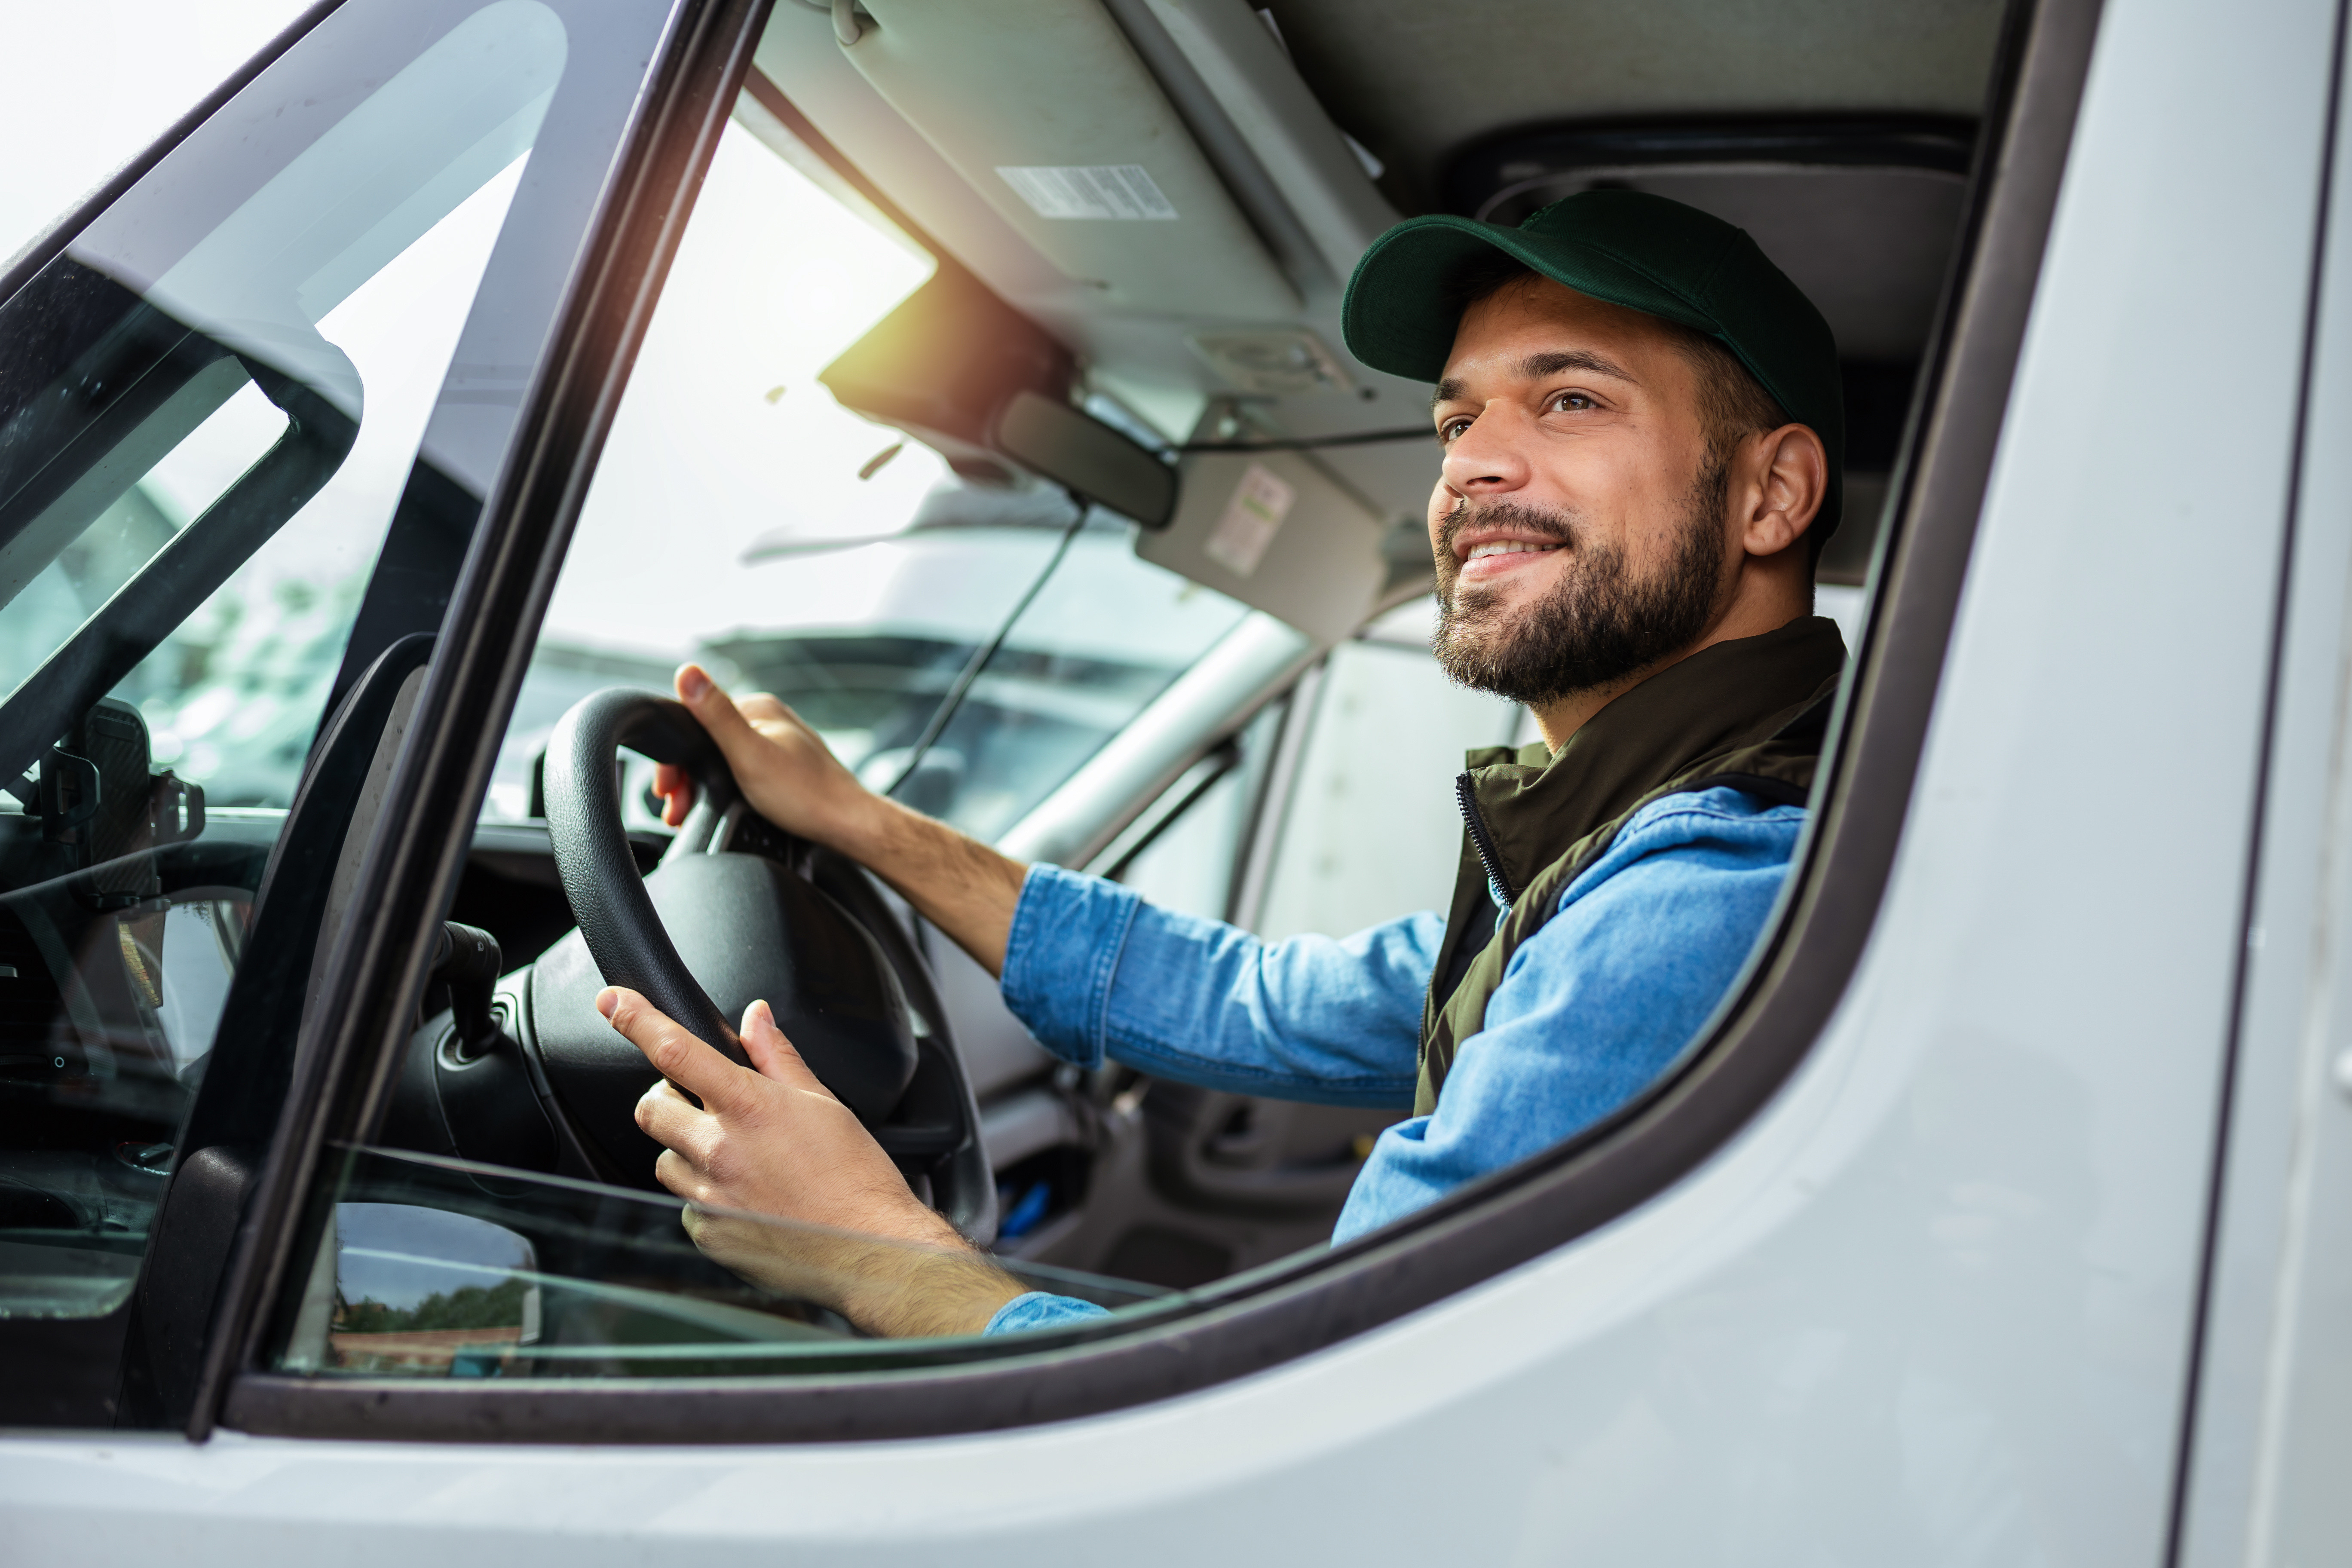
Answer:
(742, 518)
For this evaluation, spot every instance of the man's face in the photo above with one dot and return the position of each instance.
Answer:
(1580, 527)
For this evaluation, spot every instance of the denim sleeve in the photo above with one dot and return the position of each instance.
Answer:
(1598, 1001)
(1095, 971)
(1036, 1310)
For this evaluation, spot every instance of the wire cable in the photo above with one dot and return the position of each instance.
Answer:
(987, 651)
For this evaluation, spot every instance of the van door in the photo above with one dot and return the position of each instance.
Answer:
(249, 412)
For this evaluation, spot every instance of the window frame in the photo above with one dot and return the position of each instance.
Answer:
(410, 868)
(1273, 1315)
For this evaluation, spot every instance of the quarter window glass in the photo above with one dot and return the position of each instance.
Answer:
(1385, 738)
(206, 417)
(1185, 852)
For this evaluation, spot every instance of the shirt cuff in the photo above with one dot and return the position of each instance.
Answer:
(1063, 948)
(1037, 1310)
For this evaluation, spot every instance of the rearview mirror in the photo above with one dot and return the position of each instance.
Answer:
(1086, 455)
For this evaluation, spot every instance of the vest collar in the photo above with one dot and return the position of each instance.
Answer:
(1531, 805)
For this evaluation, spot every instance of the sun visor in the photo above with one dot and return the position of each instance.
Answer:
(1273, 530)
(945, 364)
(1045, 109)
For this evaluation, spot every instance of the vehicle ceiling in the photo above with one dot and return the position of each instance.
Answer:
(1418, 83)
(1445, 98)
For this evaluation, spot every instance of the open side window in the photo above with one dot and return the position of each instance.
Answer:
(639, 1311)
(250, 404)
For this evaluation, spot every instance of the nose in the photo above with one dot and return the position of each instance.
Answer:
(1485, 459)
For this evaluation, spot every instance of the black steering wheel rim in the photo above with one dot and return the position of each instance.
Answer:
(844, 978)
(596, 864)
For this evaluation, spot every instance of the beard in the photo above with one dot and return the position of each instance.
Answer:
(1599, 623)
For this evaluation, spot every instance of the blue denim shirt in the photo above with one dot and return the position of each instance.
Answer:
(1590, 1009)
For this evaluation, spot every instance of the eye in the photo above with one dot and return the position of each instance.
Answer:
(1570, 402)
(1447, 429)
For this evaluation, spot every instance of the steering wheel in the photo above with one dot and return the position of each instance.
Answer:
(736, 911)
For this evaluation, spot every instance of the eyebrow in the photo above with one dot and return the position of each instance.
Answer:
(1535, 367)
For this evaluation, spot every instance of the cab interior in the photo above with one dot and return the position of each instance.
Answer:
(920, 221)
(1308, 790)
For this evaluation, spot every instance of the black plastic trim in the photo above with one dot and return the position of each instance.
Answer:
(1247, 1324)
(168, 589)
(1476, 179)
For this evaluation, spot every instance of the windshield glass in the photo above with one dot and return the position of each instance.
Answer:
(742, 518)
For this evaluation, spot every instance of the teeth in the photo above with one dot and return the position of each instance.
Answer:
(1509, 547)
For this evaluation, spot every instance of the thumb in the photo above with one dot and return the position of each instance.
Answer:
(718, 713)
(774, 1055)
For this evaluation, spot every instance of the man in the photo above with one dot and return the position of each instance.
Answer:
(1641, 427)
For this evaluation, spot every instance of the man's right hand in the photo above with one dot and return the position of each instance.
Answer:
(784, 768)
(791, 777)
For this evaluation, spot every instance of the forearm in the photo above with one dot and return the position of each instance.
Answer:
(894, 1287)
(904, 1295)
(961, 886)
(1094, 971)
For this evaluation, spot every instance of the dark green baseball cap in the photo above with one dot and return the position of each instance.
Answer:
(1643, 252)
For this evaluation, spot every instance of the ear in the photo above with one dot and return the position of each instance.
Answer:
(1788, 472)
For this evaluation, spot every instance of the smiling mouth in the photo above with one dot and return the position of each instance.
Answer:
(1494, 558)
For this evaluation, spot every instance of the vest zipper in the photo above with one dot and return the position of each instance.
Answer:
(1482, 840)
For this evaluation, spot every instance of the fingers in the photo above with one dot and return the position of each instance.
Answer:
(676, 787)
(682, 1177)
(774, 1055)
(669, 1119)
(675, 1053)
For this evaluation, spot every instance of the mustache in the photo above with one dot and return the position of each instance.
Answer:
(1542, 521)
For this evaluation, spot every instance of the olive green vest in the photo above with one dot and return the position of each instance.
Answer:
(1749, 713)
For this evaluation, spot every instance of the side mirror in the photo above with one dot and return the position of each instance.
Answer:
(406, 1288)
(1084, 455)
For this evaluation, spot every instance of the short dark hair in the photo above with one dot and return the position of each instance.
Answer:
(1733, 405)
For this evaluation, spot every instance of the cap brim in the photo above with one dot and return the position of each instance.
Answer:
(1393, 317)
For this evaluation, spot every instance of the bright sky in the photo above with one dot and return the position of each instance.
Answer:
(724, 435)
(85, 86)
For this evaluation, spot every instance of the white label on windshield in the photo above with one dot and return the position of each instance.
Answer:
(1088, 190)
(1260, 503)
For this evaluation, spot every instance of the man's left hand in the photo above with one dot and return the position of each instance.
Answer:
(774, 1142)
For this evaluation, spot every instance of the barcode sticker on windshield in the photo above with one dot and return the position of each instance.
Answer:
(1088, 190)
(1260, 503)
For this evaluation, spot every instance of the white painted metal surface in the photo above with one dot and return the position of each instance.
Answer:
(2273, 1431)
(1935, 1306)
